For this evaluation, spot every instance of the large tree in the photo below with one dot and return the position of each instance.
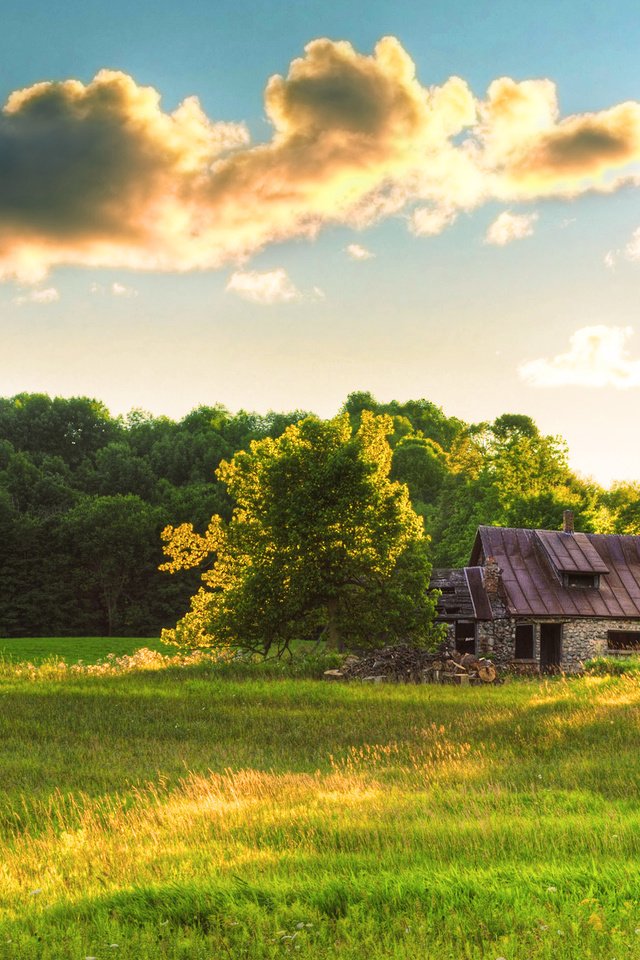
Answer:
(320, 540)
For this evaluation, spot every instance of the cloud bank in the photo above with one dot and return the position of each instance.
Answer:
(597, 357)
(98, 174)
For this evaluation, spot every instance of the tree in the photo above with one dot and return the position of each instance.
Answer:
(111, 540)
(320, 540)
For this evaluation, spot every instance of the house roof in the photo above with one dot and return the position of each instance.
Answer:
(455, 602)
(532, 563)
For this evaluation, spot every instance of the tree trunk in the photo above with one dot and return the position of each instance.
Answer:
(334, 637)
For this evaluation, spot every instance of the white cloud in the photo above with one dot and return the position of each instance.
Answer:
(632, 249)
(597, 357)
(356, 252)
(115, 289)
(272, 286)
(610, 259)
(119, 290)
(430, 221)
(50, 295)
(509, 227)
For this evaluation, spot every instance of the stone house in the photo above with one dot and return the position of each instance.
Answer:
(544, 599)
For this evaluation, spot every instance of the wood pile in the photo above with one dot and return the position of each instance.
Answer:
(406, 664)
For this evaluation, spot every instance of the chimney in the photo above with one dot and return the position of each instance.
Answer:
(567, 521)
(491, 577)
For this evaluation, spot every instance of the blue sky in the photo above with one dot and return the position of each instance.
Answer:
(517, 295)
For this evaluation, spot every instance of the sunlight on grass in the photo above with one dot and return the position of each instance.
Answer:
(255, 816)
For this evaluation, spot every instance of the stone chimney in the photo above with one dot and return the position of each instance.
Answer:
(491, 577)
(567, 522)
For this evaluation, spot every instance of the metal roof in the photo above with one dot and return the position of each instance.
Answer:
(531, 559)
(571, 552)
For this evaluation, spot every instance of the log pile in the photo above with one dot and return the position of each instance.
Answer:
(407, 664)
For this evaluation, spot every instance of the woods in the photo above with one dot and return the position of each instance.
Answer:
(84, 497)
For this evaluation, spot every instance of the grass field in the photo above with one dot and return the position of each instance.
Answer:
(72, 649)
(228, 811)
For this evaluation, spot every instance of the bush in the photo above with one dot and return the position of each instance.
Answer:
(612, 666)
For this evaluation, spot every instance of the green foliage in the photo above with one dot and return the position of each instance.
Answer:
(612, 666)
(56, 454)
(320, 537)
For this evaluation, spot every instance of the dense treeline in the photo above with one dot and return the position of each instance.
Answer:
(84, 496)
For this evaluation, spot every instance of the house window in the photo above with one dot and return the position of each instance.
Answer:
(584, 580)
(623, 640)
(524, 641)
(465, 636)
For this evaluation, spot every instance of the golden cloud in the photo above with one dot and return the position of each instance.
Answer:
(100, 175)
(529, 152)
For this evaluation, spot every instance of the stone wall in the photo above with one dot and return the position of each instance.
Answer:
(581, 638)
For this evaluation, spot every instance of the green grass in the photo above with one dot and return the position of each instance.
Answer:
(228, 811)
(73, 649)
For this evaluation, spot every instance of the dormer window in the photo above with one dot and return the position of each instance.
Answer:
(582, 580)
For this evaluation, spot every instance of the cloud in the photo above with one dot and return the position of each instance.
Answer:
(120, 290)
(99, 175)
(116, 289)
(509, 227)
(356, 252)
(273, 286)
(610, 259)
(632, 249)
(597, 357)
(430, 221)
(50, 295)
(532, 153)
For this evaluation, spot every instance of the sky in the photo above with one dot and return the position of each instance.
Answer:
(271, 205)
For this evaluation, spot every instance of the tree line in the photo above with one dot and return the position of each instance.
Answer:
(84, 497)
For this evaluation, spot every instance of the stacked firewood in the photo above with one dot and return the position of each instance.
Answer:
(407, 664)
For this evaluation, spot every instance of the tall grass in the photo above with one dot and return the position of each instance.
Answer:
(224, 811)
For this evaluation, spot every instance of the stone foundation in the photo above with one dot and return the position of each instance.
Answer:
(581, 638)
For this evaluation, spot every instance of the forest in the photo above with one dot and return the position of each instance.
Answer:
(85, 495)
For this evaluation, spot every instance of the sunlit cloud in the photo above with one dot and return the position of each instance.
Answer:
(357, 252)
(430, 221)
(609, 259)
(99, 175)
(50, 295)
(509, 227)
(272, 286)
(597, 357)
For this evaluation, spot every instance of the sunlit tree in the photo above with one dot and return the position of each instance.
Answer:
(320, 540)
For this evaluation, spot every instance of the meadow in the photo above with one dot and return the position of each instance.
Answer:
(234, 810)
(73, 649)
